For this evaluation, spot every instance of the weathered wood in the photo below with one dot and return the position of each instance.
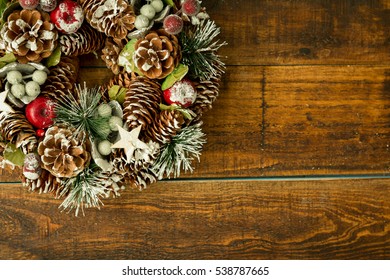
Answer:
(206, 220)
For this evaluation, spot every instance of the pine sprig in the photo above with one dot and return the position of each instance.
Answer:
(83, 191)
(178, 154)
(199, 49)
(80, 112)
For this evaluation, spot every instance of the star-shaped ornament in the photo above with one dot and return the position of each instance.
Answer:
(129, 142)
(4, 107)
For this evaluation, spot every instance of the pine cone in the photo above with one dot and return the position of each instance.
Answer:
(110, 53)
(167, 124)
(16, 129)
(62, 153)
(84, 41)
(62, 78)
(30, 35)
(142, 103)
(122, 79)
(46, 183)
(158, 54)
(141, 179)
(115, 18)
(207, 92)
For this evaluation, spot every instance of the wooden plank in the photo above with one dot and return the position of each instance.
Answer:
(206, 220)
(261, 32)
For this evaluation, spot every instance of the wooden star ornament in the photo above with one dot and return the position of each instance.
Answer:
(4, 107)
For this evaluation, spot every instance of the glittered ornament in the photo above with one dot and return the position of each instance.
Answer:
(182, 93)
(31, 168)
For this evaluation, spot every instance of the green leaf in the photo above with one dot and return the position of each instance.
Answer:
(14, 155)
(54, 58)
(7, 58)
(125, 58)
(187, 113)
(170, 3)
(179, 73)
(3, 5)
(117, 93)
(8, 9)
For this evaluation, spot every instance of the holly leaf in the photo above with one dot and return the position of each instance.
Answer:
(54, 58)
(170, 3)
(117, 93)
(13, 154)
(177, 75)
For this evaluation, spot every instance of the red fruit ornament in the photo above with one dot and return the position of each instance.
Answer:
(29, 4)
(191, 7)
(40, 112)
(173, 24)
(67, 17)
(182, 93)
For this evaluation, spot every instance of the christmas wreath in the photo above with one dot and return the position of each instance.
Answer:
(84, 144)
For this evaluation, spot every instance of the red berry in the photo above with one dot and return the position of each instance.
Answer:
(40, 132)
(29, 4)
(173, 24)
(182, 93)
(191, 7)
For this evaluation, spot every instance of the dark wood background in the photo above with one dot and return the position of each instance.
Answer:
(297, 163)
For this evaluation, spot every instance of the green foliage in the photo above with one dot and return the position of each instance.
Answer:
(199, 49)
(177, 75)
(14, 155)
(6, 59)
(80, 112)
(54, 58)
(178, 154)
(117, 93)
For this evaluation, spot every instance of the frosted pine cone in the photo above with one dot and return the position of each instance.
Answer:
(115, 18)
(158, 54)
(64, 154)
(46, 183)
(167, 124)
(111, 51)
(30, 35)
(84, 41)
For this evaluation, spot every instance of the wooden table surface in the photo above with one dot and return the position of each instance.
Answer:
(297, 162)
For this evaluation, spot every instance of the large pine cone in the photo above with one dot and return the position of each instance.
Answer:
(167, 124)
(111, 51)
(158, 54)
(62, 78)
(64, 154)
(30, 35)
(115, 18)
(46, 183)
(16, 129)
(142, 102)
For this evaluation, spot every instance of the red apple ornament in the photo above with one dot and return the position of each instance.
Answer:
(182, 93)
(40, 112)
(67, 17)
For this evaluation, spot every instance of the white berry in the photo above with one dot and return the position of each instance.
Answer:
(39, 76)
(141, 22)
(104, 148)
(14, 77)
(33, 89)
(104, 110)
(114, 122)
(158, 5)
(148, 11)
(18, 90)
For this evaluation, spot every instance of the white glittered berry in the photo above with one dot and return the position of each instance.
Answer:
(158, 5)
(33, 89)
(14, 77)
(141, 22)
(48, 5)
(104, 147)
(39, 76)
(18, 90)
(148, 11)
(114, 122)
(104, 110)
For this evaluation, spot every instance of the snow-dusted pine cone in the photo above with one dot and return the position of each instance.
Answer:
(64, 154)
(166, 125)
(46, 183)
(142, 102)
(111, 51)
(84, 41)
(30, 35)
(115, 18)
(157, 54)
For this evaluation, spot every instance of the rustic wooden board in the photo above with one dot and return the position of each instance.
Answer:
(206, 220)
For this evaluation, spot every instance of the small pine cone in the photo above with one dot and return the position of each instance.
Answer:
(142, 103)
(62, 78)
(16, 129)
(64, 154)
(111, 51)
(141, 179)
(114, 18)
(122, 79)
(167, 124)
(207, 92)
(84, 41)
(46, 183)
(158, 54)
(30, 35)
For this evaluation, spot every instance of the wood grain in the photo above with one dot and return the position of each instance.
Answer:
(206, 220)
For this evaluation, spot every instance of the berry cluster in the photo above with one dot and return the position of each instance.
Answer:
(148, 12)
